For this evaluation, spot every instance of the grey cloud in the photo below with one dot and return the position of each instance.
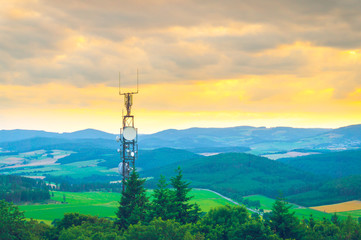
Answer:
(251, 42)
(263, 65)
(24, 41)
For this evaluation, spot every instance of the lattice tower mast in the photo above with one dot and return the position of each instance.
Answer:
(128, 136)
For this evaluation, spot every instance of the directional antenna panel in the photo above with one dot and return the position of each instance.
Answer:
(129, 133)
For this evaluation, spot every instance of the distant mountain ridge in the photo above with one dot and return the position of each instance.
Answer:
(19, 134)
(245, 136)
(39, 143)
(257, 140)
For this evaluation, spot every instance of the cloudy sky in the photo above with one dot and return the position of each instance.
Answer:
(202, 63)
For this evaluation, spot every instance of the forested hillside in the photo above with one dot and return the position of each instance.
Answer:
(20, 189)
(239, 174)
(147, 159)
(330, 192)
(334, 164)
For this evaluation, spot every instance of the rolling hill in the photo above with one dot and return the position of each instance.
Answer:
(147, 159)
(333, 164)
(330, 192)
(239, 174)
(341, 168)
(20, 189)
(80, 159)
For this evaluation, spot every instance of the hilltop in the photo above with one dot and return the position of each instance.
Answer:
(240, 174)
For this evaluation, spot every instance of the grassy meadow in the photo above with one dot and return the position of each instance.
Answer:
(102, 204)
(303, 212)
(94, 203)
(208, 200)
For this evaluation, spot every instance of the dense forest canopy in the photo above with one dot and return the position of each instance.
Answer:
(21, 189)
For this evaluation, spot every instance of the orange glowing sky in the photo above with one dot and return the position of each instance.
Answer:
(202, 63)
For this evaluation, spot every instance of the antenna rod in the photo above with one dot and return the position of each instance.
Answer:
(124, 93)
(137, 80)
(120, 93)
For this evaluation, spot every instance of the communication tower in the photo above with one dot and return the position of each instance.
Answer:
(128, 136)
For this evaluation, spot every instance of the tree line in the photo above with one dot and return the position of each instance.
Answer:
(18, 189)
(89, 184)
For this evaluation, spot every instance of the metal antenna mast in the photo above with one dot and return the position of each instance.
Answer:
(128, 136)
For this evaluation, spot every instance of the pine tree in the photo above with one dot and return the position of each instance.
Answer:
(335, 220)
(283, 222)
(311, 222)
(133, 203)
(182, 210)
(161, 202)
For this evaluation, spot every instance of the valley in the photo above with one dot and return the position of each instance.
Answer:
(104, 204)
(309, 167)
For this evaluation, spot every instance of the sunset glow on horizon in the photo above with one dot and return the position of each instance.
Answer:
(202, 64)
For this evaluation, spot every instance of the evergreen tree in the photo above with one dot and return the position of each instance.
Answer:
(311, 222)
(335, 220)
(133, 203)
(12, 222)
(182, 210)
(161, 202)
(283, 222)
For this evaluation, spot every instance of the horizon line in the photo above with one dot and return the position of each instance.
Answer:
(180, 129)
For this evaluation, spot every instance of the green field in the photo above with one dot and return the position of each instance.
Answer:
(25, 160)
(303, 212)
(354, 214)
(266, 203)
(102, 204)
(75, 170)
(208, 200)
(93, 203)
